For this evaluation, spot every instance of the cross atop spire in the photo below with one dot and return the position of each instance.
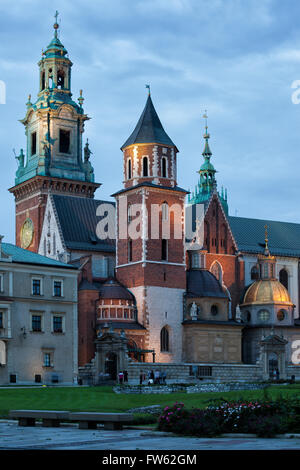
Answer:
(267, 251)
(56, 25)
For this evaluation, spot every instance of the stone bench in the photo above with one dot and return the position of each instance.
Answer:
(111, 421)
(49, 418)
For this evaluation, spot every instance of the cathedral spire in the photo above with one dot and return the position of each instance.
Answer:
(207, 183)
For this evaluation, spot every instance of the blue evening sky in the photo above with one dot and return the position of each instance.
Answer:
(235, 58)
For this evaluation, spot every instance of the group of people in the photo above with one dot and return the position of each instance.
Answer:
(157, 377)
(123, 376)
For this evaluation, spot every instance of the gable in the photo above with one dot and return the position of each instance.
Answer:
(218, 237)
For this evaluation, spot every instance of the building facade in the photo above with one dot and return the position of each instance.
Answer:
(178, 297)
(38, 319)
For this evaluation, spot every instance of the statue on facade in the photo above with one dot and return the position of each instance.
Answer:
(87, 151)
(21, 158)
(194, 311)
(89, 171)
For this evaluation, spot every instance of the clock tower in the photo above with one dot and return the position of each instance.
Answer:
(52, 161)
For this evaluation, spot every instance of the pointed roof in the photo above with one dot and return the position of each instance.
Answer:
(149, 129)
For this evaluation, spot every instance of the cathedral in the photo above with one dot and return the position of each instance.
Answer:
(226, 293)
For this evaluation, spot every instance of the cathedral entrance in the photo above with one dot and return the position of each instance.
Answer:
(273, 364)
(111, 365)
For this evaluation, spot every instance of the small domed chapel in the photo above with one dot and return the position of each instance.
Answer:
(225, 297)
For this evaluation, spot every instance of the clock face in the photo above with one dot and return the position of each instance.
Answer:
(26, 233)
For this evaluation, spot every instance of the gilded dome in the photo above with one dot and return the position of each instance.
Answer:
(267, 291)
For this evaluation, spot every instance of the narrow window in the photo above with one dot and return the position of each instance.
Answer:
(57, 288)
(254, 273)
(164, 167)
(60, 79)
(57, 324)
(164, 340)
(214, 310)
(33, 143)
(284, 278)
(164, 249)
(145, 166)
(129, 169)
(1, 320)
(36, 287)
(129, 215)
(165, 211)
(43, 80)
(47, 360)
(129, 251)
(64, 141)
(36, 323)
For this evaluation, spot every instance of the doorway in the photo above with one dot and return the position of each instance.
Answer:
(111, 365)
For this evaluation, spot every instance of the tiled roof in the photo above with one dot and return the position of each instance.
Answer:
(284, 237)
(202, 283)
(19, 255)
(148, 129)
(78, 222)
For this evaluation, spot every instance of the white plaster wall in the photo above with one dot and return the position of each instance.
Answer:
(161, 306)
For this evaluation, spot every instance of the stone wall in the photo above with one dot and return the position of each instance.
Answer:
(180, 373)
(197, 388)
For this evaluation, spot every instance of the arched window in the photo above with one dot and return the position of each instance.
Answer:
(145, 166)
(284, 278)
(165, 211)
(60, 79)
(164, 167)
(129, 169)
(43, 80)
(164, 340)
(129, 213)
(254, 273)
(216, 270)
(214, 310)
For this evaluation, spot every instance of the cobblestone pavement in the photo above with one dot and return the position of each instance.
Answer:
(69, 437)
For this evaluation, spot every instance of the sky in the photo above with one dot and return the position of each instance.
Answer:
(236, 59)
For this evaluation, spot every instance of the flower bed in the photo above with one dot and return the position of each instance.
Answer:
(263, 418)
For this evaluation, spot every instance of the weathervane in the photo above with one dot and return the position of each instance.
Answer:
(148, 86)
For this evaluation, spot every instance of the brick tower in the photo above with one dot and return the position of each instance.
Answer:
(150, 257)
(53, 161)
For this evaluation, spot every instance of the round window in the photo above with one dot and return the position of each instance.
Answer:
(281, 315)
(263, 315)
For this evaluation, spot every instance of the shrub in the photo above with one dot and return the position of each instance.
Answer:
(264, 418)
(189, 422)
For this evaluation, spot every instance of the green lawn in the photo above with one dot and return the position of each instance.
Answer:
(104, 399)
